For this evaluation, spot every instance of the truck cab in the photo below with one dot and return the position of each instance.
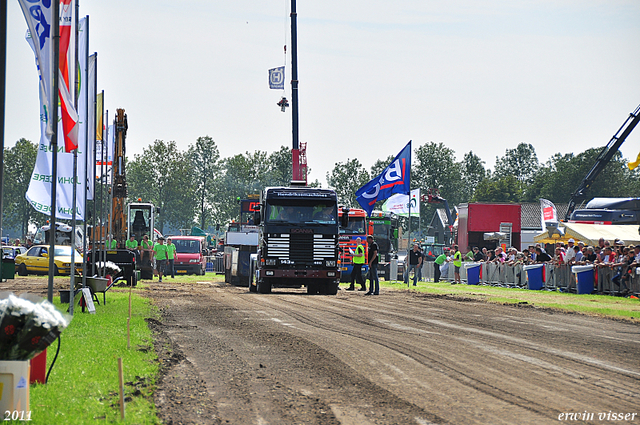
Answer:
(298, 240)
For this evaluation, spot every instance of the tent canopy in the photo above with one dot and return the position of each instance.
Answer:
(591, 233)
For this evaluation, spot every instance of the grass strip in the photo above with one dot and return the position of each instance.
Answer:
(598, 305)
(83, 385)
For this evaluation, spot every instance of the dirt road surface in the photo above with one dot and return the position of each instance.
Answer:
(233, 357)
(399, 358)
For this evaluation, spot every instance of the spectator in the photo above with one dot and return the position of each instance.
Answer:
(620, 266)
(541, 257)
(469, 255)
(485, 254)
(491, 256)
(570, 253)
(457, 263)
(477, 255)
(591, 256)
(500, 256)
(532, 253)
(559, 257)
(578, 255)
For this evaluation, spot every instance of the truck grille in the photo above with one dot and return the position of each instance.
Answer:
(301, 248)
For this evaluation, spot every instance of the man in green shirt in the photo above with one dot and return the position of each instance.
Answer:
(440, 260)
(146, 243)
(160, 253)
(132, 243)
(171, 255)
(112, 244)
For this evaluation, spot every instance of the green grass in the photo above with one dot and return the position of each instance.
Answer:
(83, 385)
(599, 305)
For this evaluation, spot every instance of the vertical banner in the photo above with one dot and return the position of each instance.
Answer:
(39, 191)
(67, 69)
(548, 213)
(91, 125)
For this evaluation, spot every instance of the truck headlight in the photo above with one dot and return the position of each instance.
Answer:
(331, 263)
(268, 273)
(331, 274)
(66, 264)
(193, 260)
(270, 262)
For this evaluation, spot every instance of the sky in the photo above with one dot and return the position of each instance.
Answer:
(479, 76)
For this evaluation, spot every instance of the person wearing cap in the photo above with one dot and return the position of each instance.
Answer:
(415, 262)
(372, 260)
(160, 253)
(570, 253)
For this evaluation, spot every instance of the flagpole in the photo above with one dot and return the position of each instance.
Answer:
(93, 176)
(408, 257)
(54, 144)
(74, 197)
(86, 156)
(3, 89)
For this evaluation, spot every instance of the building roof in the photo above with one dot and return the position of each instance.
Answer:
(530, 215)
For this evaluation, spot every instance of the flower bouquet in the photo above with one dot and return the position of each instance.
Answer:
(27, 326)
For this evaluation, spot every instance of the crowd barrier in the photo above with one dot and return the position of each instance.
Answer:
(555, 277)
(215, 264)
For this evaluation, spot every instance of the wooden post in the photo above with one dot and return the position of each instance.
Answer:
(129, 321)
(121, 377)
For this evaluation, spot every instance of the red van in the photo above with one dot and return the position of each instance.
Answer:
(190, 257)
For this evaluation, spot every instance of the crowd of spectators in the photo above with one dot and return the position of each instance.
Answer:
(621, 258)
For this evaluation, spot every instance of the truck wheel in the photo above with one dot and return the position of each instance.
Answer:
(253, 288)
(264, 286)
(312, 288)
(22, 270)
(331, 288)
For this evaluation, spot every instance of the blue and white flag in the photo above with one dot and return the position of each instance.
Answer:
(396, 178)
(276, 78)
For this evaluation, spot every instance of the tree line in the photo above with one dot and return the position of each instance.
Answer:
(197, 187)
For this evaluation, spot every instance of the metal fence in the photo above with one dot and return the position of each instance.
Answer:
(555, 277)
(215, 264)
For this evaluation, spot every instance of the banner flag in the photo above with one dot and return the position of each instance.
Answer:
(99, 115)
(85, 151)
(109, 147)
(38, 15)
(39, 191)
(399, 204)
(276, 78)
(396, 178)
(91, 125)
(548, 213)
(67, 68)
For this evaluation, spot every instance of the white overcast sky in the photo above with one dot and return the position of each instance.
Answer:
(476, 75)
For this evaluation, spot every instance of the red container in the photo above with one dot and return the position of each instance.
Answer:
(38, 368)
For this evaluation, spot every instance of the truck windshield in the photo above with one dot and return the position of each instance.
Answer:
(356, 227)
(307, 211)
(187, 246)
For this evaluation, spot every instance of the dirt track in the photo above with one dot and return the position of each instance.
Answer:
(398, 358)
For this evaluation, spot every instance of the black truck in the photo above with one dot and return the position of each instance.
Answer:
(298, 240)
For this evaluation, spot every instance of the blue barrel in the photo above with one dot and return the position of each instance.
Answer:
(473, 273)
(584, 283)
(534, 276)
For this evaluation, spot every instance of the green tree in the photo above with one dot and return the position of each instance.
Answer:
(521, 162)
(280, 167)
(504, 189)
(346, 178)
(18, 166)
(473, 172)
(163, 176)
(434, 166)
(204, 158)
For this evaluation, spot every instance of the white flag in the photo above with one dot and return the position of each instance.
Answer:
(548, 213)
(399, 204)
(39, 192)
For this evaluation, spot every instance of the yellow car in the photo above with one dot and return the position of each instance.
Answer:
(36, 260)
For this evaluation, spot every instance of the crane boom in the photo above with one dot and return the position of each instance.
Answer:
(603, 159)
(119, 178)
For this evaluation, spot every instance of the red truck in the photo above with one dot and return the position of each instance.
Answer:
(190, 254)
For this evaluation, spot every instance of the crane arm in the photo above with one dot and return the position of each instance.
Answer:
(603, 159)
